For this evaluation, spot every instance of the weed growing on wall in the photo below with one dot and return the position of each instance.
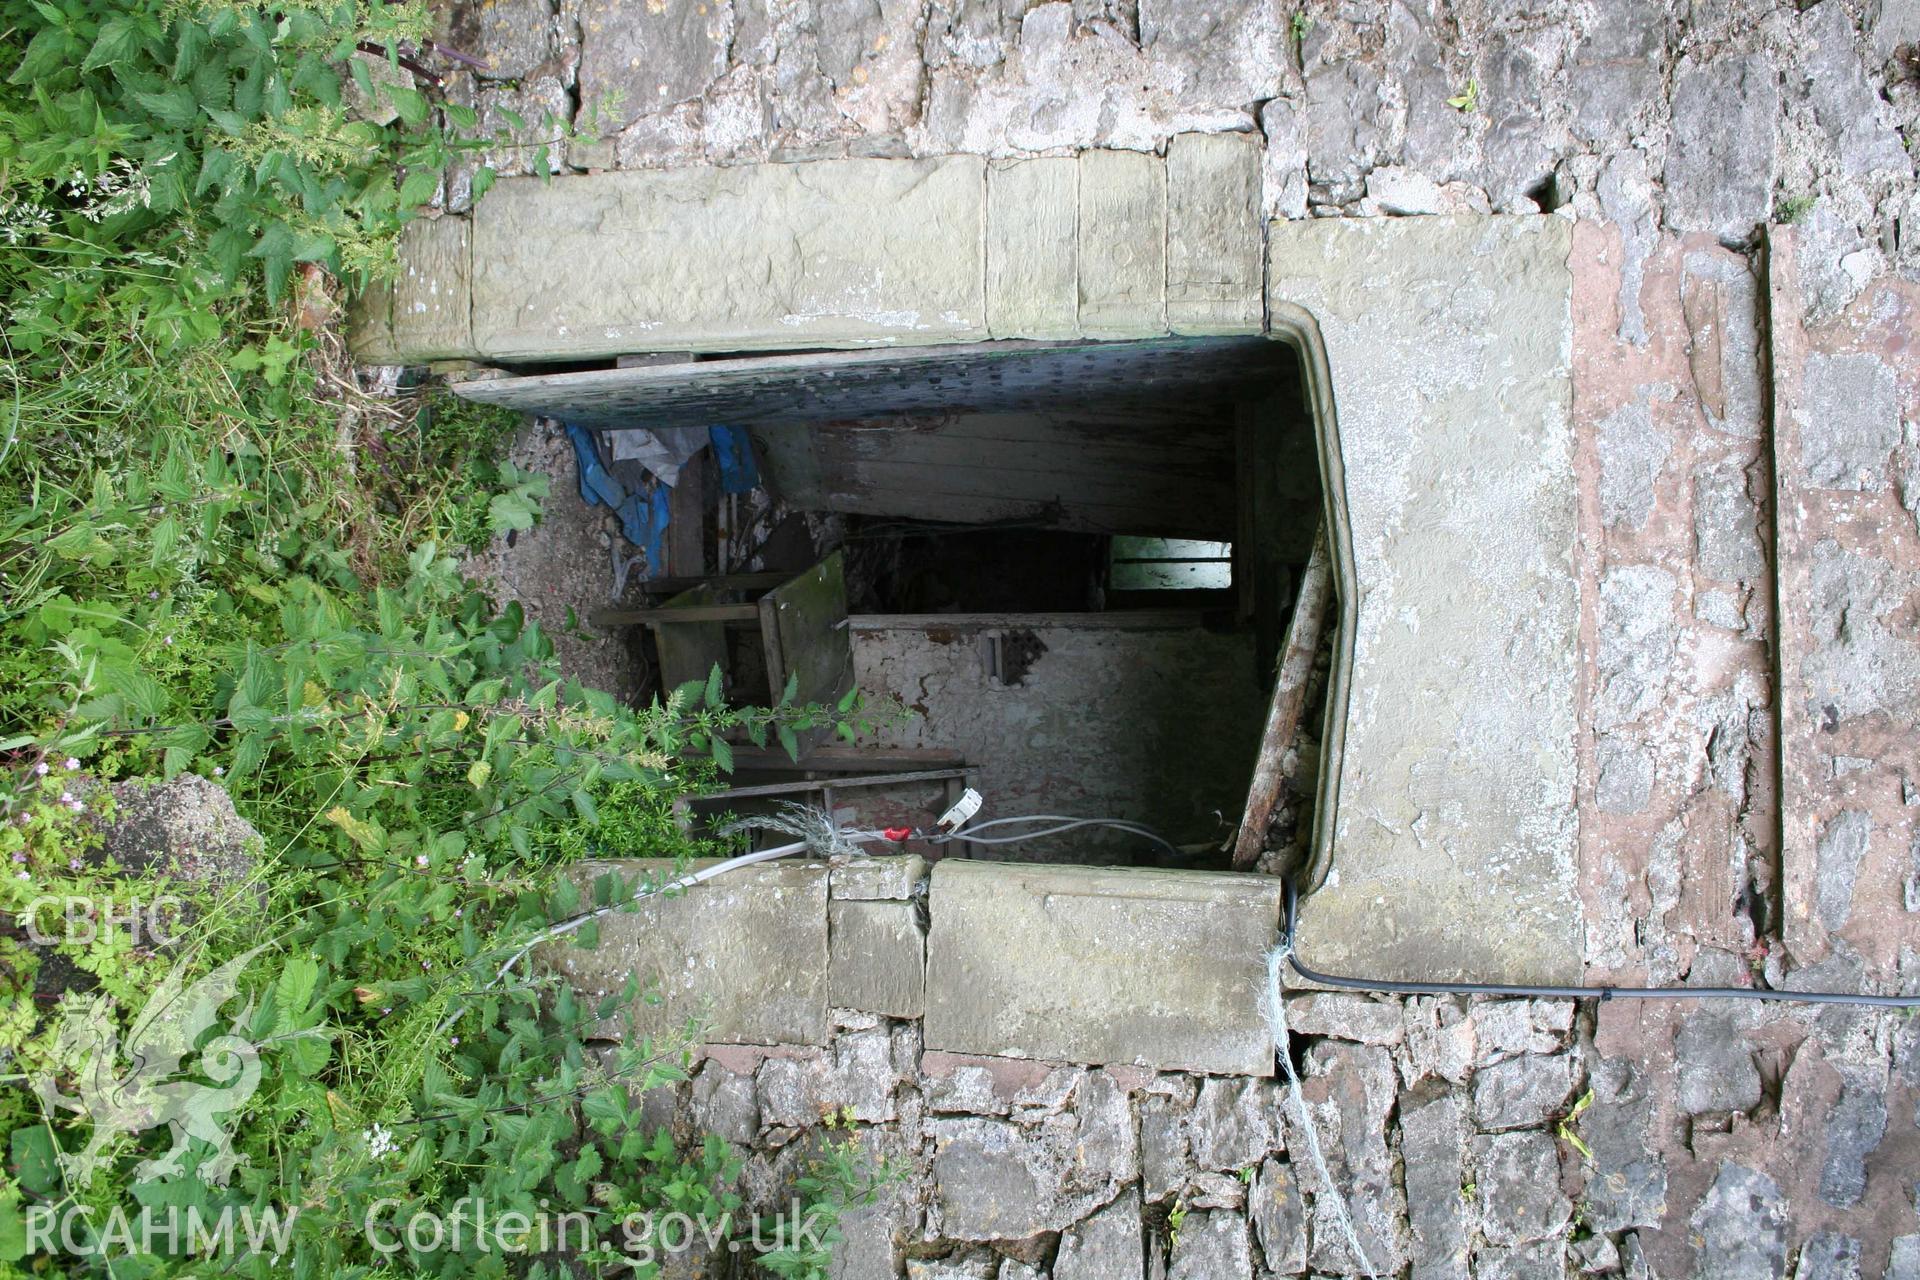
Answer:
(219, 557)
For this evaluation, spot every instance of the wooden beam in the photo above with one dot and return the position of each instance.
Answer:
(1111, 620)
(674, 585)
(1289, 700)
(687, 519)
(846, 760)
(674, 613)
(840, 783)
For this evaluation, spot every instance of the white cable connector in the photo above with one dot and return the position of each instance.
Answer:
(962, 811)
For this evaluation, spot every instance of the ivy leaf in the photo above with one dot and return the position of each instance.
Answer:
(410, 103)
(13, 1232)
(174, 106)
(418, 188)
(294, 988)
(120, 38)
(511, 510)
(309, 1052)
(606, 1109)
(32, 1149)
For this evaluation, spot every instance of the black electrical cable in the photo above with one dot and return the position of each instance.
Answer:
(1392, 987)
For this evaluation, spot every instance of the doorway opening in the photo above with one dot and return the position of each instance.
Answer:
(1069, 569)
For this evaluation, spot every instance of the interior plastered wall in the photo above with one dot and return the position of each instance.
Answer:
(1154, 726)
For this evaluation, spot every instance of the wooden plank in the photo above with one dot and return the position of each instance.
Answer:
(820, 386)
(803, 624)
(1115, 620)
(817, 784)
(1112, 472)
(845, 760)
(671, 614)
(1197, 449)
(721, 582)
(687, 518)
(1289, 700)
(689, 650)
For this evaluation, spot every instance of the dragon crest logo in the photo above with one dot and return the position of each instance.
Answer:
(141, 1087)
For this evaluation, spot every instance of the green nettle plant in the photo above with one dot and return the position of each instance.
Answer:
(218, 558)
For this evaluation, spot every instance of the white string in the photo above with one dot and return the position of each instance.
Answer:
(1277, 1023)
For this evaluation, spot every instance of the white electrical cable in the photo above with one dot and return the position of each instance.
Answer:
(1064, 824)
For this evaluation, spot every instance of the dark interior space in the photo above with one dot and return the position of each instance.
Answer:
(1065, 571)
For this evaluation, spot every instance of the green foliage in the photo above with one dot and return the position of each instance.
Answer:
(218, 557)
(217, 136)
(1467, 101)
(1793, 209)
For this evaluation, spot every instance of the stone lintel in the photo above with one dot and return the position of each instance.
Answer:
(752, 257)
(432, 307)
(1123, 244)
(1033, 266)
(1215, 254)
(745, 952)
(370, 325)
(1163, 969)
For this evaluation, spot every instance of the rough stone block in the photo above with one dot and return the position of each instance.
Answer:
(432, 316)
(1105, 1246)
(999, 1181)
(1521, 1092)
(370, 325)
(1215, 249)
(1033, 265)
(890, 877)
(650, 57)
(1212, 1246)
(1519, 1180)
(1448, 340)
(1234, 1124)
(1345, 1016)
(1433, 1138)
(1742, 1225)
(1077, 964)
(877, 957)
(1279, 1211)
(1123, 245)
(1850, 422)
(832, 253)
(746, 953)
(1719, 172)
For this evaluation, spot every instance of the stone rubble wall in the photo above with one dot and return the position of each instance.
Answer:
(1749, 563)
(1485, 1138)
(945, 1020)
